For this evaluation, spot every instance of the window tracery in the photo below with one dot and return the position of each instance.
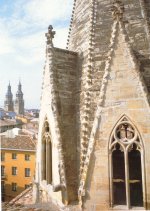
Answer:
(46, 154)
(126, 165)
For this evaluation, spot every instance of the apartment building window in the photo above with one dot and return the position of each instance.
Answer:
(14, 170)
(2, 170)
(27, 157)
(14, 186)
(27, 172)
(2, 187)
(14, 156)
(2, 156)
(3, 191)
(26, 186)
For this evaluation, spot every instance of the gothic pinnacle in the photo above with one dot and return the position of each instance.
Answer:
(117, 10)
(50, 35)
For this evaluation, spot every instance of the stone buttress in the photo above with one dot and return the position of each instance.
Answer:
(58, 114)
(100, 81)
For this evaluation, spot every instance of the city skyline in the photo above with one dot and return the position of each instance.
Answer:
(22, 54)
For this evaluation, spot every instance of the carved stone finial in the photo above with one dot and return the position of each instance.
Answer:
(117, 10)
(50, 35)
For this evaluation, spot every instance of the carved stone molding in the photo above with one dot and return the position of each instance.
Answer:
(117, 10)
(118, 24)
(87, 94)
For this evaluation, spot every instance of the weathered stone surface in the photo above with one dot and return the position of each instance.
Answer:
(103, 77)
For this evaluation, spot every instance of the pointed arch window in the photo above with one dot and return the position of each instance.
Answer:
(46, 154)
(126, 158)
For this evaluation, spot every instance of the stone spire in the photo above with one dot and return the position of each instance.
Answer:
(8, 103)
(19, 92)
(19, 102)
(9, 93)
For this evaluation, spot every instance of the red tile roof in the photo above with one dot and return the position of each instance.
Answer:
(19, 142)
(24, 201)
(7, 122)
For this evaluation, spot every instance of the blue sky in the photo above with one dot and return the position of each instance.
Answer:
(23, 24)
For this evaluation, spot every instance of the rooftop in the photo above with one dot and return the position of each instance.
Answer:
(7, 122)
(20, 142)
(24, 202)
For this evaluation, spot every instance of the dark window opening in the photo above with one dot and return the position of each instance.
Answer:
(2, 156)
(44, 160)
(14, 170)
(46, 127)
(27, 157)
(119, 190)
(135, 176)
(14, 156)
(14, 186)
(27, 172)
(49, 162)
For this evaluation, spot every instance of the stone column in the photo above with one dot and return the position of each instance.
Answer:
(127, 180)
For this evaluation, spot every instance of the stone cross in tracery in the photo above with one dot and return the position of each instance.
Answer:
(117, 10)
(50, 35)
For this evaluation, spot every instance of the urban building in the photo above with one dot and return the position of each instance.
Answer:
(8, 124)
(24, 119)
(19, 102)
(2, 113)
(17, 164)
(8, 103)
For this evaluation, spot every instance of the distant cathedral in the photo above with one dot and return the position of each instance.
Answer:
(17, 105)
(94, 128)
(8, 103)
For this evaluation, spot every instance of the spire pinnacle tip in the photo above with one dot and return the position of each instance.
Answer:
(117, 10)
(50, 35)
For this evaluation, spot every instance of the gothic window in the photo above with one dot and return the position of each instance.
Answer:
(126, 166)
(46, 154)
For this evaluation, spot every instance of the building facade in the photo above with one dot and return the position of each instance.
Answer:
(17, 165)
(7, 124)
(19, 102)
(94, 124)
(8, 103)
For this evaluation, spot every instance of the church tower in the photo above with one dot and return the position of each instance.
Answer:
(19, 102)
(94, 132)
(8, 103)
